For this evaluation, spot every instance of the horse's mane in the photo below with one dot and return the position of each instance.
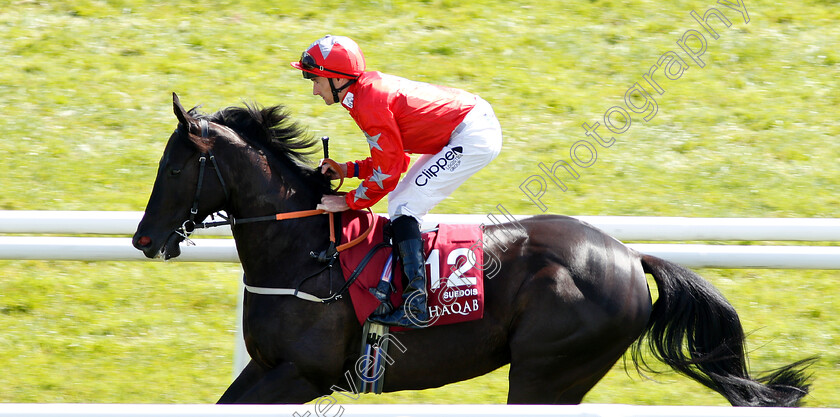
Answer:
(273, 129)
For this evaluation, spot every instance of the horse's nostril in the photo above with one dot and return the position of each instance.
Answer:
(144, 241)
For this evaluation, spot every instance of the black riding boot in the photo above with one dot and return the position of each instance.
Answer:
(382, 292)
(409, 244)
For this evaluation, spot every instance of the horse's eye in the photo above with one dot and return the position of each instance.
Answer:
(175, 172)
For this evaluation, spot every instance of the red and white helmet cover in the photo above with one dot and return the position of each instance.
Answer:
(332, 57)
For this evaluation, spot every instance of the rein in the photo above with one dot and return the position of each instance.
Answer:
(327, 256)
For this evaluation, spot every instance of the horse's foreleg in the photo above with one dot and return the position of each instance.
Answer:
(282, 384)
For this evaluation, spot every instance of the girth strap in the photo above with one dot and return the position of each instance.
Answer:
(309, 297)
(283, 291)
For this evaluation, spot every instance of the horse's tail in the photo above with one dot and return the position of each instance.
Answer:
(695, 330)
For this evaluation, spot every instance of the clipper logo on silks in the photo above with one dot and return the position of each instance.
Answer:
(448, 162)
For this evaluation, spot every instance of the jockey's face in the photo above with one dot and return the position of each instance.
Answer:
(321, 87)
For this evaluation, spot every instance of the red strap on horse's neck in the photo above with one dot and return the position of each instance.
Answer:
(307, 213)
(336, 168)
(358, 239)
(298, 214)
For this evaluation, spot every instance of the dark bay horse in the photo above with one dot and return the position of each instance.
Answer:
(565, 305)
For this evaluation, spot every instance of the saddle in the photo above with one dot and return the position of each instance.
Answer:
(454, 257)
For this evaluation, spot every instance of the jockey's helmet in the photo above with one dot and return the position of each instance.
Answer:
(332, 57)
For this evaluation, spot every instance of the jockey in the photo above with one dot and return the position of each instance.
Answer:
(456, 132)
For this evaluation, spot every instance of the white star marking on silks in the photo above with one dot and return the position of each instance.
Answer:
(378, 176)
(360, 193)
(373, 141)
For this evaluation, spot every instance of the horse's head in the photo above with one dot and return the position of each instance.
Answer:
(264, 159)
(188, 187)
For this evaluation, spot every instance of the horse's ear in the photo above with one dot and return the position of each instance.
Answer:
(180, 113)
(189, 123)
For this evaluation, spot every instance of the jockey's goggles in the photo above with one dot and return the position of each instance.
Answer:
(307, 63)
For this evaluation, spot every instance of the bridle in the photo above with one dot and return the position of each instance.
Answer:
(189, 225)
(328, 256)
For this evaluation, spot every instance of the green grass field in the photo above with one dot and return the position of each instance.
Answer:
(85, 99)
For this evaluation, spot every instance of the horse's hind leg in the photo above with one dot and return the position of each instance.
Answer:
(558, 379)
(562, 346)
(280, 385)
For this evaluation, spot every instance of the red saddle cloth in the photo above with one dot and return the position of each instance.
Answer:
(454, 276)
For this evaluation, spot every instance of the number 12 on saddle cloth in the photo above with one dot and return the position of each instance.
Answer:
(454, 259)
